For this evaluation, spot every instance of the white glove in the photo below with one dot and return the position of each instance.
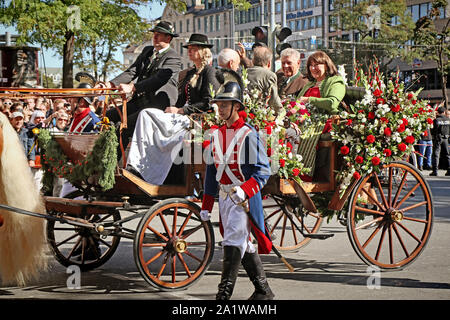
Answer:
(238, 196)
(205, 215)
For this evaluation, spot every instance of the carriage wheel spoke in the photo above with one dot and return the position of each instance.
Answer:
(391, 248)
(372, 236)
(415, 219)
(191, 231)
(174, 259)
(190, 254)
(276, 223)
(163, 266)
(407, 195)
(68, 239)
(174, 225)
(380, 244)
(283, 230)
(400, 240)
(156, 256)
(184, 264)
(369, 211)
(157, 233)
(402, 183)
(419, 204)
(294, 233)
(378, 204)
(77, 244)
(390, 187)
(272, 214)
(154, 245)
(368, 223)
(163, 221)
(409, 232)
(380, 188)
(186, 220)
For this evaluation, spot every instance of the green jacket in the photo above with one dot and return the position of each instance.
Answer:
(332, 91)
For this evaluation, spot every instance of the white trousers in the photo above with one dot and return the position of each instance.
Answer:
(236, 226)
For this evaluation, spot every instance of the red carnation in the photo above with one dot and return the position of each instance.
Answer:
(401, 128)
(384, 119)
(430, 121)
(345, 150)
(295, 172)
(387, 132)
(395, 108)
(268, 129)
(405, 121)
(409, 139)
(377, 93)
(370, 138)
(356, 175)
(425, 133)
(349, 122)
(269, 152)
(371, 115)
(282, 163)
(380, 101)
(402, 147)
(359, 159)
(375, 161)
(387, 152)
(410, 96)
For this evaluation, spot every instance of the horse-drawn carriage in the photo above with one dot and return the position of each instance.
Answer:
(389, 214)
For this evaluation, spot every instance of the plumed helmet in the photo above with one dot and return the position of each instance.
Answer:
(231, 86)
(231, 91)
(86, 82)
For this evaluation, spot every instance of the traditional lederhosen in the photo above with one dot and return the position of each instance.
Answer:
(230, 170)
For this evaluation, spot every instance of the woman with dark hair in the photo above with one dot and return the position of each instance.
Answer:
(325, 89)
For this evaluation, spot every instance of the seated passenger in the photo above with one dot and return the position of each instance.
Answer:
(158, 137)
(326, 88)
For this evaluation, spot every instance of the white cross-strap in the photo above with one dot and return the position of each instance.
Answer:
(223, 160)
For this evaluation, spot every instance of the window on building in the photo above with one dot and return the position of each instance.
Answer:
(304, 24)
(292, 5)
(217, 22)
(331, 23)
(181, 27)
(205, 24)
(298, 25)
(199, 27)
(299, 4)
(318, 21)
(292, 24)
(311, 3)
(211, 23)
(331, 42)
(311, 23)
(330, 5)
(188, 22)
(304, 4)
(278, 7)
(415, 12)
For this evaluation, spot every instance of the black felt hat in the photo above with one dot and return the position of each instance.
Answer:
(198, 39)
(165, 27)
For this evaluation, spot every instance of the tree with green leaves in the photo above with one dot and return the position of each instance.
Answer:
(383, 26)
(431, 37)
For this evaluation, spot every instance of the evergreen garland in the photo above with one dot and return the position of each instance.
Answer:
(100, 162)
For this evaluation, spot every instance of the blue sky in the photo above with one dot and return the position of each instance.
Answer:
(149, 11)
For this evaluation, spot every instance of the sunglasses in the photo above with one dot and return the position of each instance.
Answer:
(63, 119)
(8, 103)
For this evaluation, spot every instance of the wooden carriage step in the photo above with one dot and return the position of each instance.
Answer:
(78, 207)
(154, 190)
(320, 236)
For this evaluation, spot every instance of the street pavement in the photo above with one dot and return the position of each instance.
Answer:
(324, 270)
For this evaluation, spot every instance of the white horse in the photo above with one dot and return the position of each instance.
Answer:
(23, 245)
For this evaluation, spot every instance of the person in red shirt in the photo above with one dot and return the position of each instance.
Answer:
(239, 169)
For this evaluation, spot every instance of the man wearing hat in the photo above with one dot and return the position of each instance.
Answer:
(152, 78)
(84, 119)
(17, 123)
(159, 134)
(238, 169)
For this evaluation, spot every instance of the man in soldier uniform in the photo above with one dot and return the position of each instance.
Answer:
(152, 78)
(440, 133)
(239, 168)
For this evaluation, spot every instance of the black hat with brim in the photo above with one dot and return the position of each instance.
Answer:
(165, 27)
(198, 39)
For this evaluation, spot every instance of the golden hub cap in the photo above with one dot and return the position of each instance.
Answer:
(180, 246)
(397, 215)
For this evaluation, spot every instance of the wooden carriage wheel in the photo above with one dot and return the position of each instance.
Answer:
(70, 244)
(173, 247)
(390, 216)
(285, 235)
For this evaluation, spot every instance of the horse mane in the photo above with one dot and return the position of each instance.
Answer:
(23, 243)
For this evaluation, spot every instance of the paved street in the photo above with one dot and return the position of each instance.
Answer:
(324, 270)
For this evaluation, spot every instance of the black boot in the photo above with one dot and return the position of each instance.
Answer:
(231, 262)
(255, 271)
